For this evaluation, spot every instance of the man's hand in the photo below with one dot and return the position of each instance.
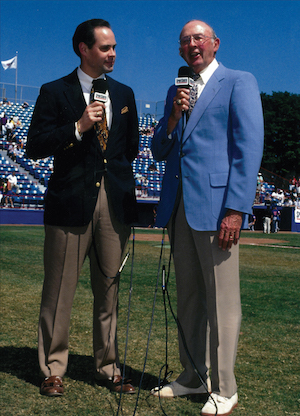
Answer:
(230, 229)
(180, 104)
(92, 113)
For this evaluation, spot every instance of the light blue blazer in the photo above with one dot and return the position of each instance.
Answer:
(222, 146)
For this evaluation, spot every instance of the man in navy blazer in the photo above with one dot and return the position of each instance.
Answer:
(90, 202)
(212, 160)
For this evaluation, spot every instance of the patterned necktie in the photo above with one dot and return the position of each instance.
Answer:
(101, 126)
(193, 95)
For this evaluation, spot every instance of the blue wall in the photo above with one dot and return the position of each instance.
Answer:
(21, 216)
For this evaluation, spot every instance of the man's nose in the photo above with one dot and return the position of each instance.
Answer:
(192, 41)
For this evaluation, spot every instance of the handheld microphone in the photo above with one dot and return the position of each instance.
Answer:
(100, 88)
(184, 78)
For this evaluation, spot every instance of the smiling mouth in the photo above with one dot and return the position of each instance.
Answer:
(194, 55)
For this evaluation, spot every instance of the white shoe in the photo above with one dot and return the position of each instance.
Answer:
(225, 406)
(175, 389)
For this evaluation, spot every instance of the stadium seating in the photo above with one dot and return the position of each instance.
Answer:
(29, 195)
(147, 172)
(39, 172)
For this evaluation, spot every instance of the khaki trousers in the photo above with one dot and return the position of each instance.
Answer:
(65, 249)
(208, 291)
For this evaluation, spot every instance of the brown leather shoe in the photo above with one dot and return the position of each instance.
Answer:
(115, 385)
(52, 386)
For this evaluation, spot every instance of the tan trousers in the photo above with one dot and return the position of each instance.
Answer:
(208, 290)
(65, 250)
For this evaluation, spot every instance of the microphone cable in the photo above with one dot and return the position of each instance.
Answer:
(166, 365)
(128, 311)
(116, 279)
(151, 323)
(165, 290)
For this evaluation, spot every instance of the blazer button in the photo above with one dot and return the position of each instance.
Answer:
(176, 177)
(105, 160)
(98, 184)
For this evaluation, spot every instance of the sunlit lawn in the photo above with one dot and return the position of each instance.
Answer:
(267, 367)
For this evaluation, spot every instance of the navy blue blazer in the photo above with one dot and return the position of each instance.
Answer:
(79, 165)
(222, 146)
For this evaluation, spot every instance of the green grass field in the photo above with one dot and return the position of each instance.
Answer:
(267, 368)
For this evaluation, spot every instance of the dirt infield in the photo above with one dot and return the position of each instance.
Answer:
(243, 240)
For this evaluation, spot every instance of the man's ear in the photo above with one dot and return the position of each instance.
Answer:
(82, 48)
(180, 52)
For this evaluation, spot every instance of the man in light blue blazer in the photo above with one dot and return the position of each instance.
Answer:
(211, 137)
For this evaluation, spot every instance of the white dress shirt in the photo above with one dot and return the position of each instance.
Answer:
(86, 83)
(205, 75)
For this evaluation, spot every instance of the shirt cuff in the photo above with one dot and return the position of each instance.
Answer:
(77, 135)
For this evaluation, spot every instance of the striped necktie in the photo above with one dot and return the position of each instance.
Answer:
(193, 95)
(101, 127)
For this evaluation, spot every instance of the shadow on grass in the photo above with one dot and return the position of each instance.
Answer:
(23, 364)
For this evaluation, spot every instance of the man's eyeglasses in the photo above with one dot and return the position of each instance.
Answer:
(198, 38)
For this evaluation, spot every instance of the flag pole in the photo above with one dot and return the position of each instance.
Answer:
(16, 84)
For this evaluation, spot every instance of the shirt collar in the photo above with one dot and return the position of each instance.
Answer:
(208, 71)
(85, 80)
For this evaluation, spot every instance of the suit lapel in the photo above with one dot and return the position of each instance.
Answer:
(74, 95)
(115, 102)
(208, 94)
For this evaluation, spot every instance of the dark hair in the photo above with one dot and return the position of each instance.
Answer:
(85, 33)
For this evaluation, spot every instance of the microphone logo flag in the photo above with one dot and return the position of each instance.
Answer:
(98, 96)
(184, 82)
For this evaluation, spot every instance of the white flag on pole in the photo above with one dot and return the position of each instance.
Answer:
(11, 63)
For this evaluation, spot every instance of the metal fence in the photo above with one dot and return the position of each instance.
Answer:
(19, 94)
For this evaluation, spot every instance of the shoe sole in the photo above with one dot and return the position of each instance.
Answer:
(102, 383)
(219, 414)
(52, 394)
(163, 396)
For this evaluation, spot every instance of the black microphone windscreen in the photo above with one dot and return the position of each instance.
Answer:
(185, 71)
(100, 85)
